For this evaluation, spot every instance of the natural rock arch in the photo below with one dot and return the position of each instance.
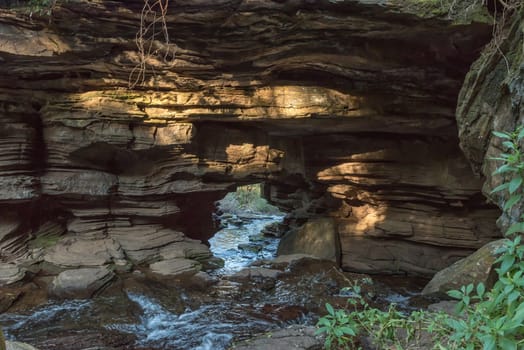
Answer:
(340, 108)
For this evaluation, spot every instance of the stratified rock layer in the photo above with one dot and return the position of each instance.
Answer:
(343, 109)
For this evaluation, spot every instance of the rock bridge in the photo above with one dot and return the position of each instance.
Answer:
(342, 109)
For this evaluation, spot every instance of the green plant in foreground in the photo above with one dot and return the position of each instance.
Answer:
(488, 319)
(496, 319)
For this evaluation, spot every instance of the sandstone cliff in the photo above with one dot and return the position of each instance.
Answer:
(342, 108)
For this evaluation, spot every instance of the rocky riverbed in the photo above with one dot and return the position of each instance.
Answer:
(251, 294)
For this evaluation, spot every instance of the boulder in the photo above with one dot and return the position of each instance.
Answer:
(176, 267)
(256, 272)
(294, 337)
(80, 283)
(78, 252)
(10, 273)
(476, 268)
(318, 237)
(15, 345)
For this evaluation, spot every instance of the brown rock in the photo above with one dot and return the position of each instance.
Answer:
(318, 237)
(344, 109)
(476, 268)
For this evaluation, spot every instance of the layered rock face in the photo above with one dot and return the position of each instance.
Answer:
(343, 109)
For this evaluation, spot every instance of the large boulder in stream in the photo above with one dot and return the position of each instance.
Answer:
(81, 283)
(317, 237)
(476, 268)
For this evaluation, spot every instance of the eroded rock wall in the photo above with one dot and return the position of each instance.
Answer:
(344, 109)
(492, 99)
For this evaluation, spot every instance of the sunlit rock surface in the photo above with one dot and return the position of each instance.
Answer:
(344, 109)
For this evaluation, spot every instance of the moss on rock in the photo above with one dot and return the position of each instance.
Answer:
(458, 11)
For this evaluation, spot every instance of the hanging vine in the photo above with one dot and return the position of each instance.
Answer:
(152, 41)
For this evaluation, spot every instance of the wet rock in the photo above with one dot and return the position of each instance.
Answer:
(201, 280)
(294, 337)
(10, 273)
(80, 283)
(188, 248)
(256, 272)
(250, 247)
(476, 268)
(284, 313)
(212, 263)
(104, 340)
(318, 237)
(15, 345)
(7, 298)
(274, 229)
(176, 266)
(286, 259)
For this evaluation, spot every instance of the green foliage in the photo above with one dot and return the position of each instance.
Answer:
(42, 7)
(247, 199)
(388, 328)
(488, 319)
(496, 319)
(44, 241)
(32, 7)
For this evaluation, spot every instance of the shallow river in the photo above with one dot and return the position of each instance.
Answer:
(153, 323)
(149, 315)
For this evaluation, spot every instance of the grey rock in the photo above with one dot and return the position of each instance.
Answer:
(294, 337)
(80, 283)
(176, 266)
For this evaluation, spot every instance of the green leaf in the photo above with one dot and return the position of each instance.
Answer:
(348, 330)
(469, 288)
(499, 188)
(321, 330)
(519, 314)
(504, 169)
(507, 343)
(509, 144)
(513, 296)
(488, 342)
(516, 227)
(511, 201)
(502, 135)
(330, 309)
(515, 184)
(481, 289)
(521, 134)
(455, 294)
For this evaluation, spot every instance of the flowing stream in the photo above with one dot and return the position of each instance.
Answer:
(153, 324)
(149, 315)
